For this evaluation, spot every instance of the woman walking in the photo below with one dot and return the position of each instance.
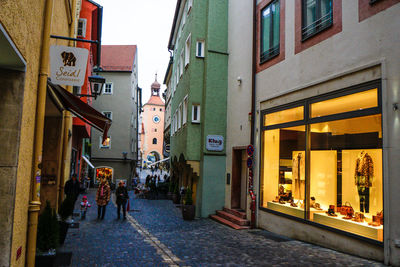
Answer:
(122, 197)
(102, 198)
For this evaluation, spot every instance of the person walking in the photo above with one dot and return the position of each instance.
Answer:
(122, 197)
(102, 198)
(72, 188)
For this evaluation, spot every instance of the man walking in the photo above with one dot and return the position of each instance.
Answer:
(72, 188)
(122, 197)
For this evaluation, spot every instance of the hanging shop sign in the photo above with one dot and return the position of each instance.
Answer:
(215, 143)
(68, 65)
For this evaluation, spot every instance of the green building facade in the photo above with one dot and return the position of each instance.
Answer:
(198, 84)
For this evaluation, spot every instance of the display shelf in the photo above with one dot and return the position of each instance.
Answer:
(287, 209)
(358, 228)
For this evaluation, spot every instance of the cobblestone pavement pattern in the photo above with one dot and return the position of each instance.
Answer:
(156, 235)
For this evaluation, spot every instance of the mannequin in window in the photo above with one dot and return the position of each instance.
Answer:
(363, 179)
(298, 175)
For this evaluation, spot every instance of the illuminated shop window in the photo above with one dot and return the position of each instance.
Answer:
(327, 168)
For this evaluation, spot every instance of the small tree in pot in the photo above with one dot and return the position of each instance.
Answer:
(66, 210)
(47, 237)
(188, 209)
(176, 197)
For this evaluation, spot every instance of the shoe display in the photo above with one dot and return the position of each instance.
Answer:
(282, 202)
(331, 211)
(293, 204)
(359, 217)
(276, 199)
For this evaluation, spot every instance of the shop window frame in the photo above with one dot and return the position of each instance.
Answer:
(307, 121)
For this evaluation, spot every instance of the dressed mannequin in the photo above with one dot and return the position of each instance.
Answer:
(363, 179)
(298, 175)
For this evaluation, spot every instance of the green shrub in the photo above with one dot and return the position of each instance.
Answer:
(48, 229)
(188, 197)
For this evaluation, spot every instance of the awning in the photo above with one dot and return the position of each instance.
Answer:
(158, 162)
(88, 162)
(80, 108)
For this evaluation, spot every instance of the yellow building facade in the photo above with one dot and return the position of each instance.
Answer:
(24, 43)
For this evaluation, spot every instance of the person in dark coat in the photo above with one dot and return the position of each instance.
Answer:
(72, 188)
(122, 197)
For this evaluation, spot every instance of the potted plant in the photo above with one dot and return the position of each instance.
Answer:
(176, 197)
(47, 237)
(66, 210)
(188, 209)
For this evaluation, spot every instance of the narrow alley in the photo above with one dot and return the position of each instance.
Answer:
(155, 234)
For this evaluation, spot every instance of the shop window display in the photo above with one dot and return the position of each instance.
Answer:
(336, 179)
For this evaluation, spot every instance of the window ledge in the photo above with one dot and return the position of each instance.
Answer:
(303, 39)
(269, 58)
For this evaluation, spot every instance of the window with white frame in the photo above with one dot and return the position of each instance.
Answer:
(184, 110)
(180, 116)
(196, 113)
(200, 48)
(183, 20)
(108, 114)
(176, 122)
(182, 60)
(189, 7)
(178, 71)
(187, 50)
(107, 142)
(108, 89)
(81, 32)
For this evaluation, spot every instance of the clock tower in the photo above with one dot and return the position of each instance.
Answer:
(152, 127)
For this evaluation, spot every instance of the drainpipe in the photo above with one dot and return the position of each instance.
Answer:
(67, 121)
(253, 116)
(34, 199)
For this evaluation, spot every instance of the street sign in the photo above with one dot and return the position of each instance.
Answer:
(250, 150)
(249, 162)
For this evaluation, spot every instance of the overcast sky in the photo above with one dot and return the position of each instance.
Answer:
(145, 23)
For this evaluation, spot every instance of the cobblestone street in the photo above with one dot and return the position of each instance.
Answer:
(156, 235)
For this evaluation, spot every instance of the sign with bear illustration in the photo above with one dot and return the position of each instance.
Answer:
(68, 65)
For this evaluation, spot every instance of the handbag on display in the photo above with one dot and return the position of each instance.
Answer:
(378, 218)
(346, 209)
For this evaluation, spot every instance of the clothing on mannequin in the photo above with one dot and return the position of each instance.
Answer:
(363, 179)
(298, 175)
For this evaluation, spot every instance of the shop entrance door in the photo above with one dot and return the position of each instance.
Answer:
(239, 178)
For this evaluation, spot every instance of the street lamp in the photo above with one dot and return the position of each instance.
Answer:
(96, 85)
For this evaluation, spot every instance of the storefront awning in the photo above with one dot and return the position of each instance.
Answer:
(88, 161)
(80, 108)
(158, 162)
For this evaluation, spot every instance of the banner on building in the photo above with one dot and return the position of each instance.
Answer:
(68, 65)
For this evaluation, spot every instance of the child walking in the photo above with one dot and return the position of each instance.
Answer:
(84, 205)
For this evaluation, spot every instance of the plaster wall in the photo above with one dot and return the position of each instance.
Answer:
(240, 46)
(361, 52)
(122, 106)
(23, 21)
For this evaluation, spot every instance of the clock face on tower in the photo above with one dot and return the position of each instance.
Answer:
(156, 119)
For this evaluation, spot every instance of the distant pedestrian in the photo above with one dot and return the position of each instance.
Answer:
(72, 188)
(84, 205)
(122, 197)
(102, 198)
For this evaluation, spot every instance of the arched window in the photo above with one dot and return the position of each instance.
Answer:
(154, 141)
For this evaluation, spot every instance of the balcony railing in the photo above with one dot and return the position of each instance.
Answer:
(317, 26)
